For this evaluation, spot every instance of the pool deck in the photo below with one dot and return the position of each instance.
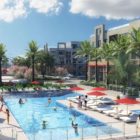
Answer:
(12, 130)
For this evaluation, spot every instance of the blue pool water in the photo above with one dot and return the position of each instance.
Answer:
(31, 115)
(136, 111)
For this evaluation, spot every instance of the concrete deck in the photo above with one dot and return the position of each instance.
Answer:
(12, 130)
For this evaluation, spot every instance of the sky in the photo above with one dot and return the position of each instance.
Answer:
(53, 21)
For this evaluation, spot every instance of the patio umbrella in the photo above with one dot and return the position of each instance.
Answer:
(96, 93)
(35, 82)
(76, 88)
(99, 88)
(127, 101)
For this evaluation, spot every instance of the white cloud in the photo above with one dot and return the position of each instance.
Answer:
(110, 9)
(11, 9)
(46, 6)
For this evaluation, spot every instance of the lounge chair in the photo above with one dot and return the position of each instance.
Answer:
(100, 107)
(131, 118)
(112, 111)
(120, 114)
(104, 108)
(106, 100)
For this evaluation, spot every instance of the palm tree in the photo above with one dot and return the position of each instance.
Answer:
(106, 53)
(2, 54)
(85, 50)
(123, 68)
(135, 42)
(121, 45)
(32, 52)
(45, 61)
(95, 56)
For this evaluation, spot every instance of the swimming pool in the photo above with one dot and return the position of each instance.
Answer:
(31, 115)
(137, 111)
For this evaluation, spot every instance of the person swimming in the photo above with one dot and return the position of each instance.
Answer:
(44, 125)
(55, 108)
(21, 101)
(49, 101)
(75, 126)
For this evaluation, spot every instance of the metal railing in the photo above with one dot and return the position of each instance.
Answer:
(9, 132)
(118, 130)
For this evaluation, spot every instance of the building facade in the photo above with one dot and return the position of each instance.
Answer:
(65, 56)
(102, 35)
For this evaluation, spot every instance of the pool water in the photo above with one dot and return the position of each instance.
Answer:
(136, 111)
(31, 115)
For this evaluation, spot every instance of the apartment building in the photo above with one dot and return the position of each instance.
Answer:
(102, 35)
(65, 56)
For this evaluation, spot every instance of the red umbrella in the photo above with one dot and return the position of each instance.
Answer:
(35, 82)
(96, 93)
(76, 88)
(127, 101)
(99, 88)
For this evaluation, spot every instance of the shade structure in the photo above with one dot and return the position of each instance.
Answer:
(127, 101)
(35, 82)
(96, 93)
(76, 88)
(99, 88)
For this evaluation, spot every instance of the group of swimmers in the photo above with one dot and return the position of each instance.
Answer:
(74, 125)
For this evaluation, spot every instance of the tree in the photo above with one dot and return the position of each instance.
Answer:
(135, 42)
(2, 55)
(106, 53)
(32, 52)
(123, 68)
(45, 60)
(95, 56)
(21, 61)
(85, 50)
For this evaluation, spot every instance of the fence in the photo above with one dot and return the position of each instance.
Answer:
(10, 133)
(118, 130)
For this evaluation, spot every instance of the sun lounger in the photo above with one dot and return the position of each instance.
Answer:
(100, 107)
(120, 114)
(106, 100)
(105, 108)
(112, 111)
(131, 118)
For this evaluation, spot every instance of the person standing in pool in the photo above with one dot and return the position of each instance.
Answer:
(75, 126)
(49, 100)
(44, 125)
